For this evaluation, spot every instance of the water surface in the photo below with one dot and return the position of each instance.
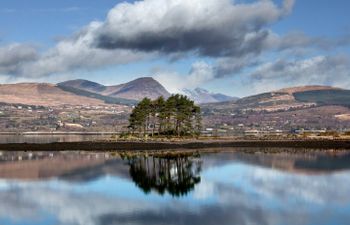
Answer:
(214, 188)
(44, 139)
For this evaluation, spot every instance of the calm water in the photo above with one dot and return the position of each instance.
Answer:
(49, 138)
(218, 189)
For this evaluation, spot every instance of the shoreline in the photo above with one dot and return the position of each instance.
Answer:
(33, 133)
(152, 145)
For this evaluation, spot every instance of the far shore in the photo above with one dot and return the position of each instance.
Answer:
(58, 133)
(298, 145)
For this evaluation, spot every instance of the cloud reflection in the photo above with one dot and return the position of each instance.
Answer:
(228, 193)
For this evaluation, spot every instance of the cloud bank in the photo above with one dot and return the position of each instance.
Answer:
(209, 28)
(143, 29)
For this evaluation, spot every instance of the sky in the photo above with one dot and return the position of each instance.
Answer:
(235, 47)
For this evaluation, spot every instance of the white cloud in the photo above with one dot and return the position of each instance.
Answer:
(14, 56)
(200, 73)
(322, 70)
(77, 53)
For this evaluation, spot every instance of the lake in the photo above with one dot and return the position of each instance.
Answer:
(43, 139)
(231, 187)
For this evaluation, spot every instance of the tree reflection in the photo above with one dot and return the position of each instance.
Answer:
(175, 175)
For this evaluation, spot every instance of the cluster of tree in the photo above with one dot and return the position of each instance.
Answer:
(178, 115)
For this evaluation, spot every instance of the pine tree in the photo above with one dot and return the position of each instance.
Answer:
(177, 115)
(139, 118)
(160, 113)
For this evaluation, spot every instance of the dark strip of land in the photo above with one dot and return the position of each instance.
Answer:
(126, 146)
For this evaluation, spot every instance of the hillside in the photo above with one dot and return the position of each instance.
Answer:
(133, 90)
(42, 94)
(294, 90)
(310, 107)
(85, 85)
(106, 99)
(289, 98)
(325, 97)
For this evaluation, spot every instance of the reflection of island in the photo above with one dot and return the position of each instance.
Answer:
(176, 175)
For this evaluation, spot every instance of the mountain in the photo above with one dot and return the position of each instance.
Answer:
(298, 96)
(309, 107)
(201, 96)
(140, 88)
(42, 94)
(286, 99)
(133, 90)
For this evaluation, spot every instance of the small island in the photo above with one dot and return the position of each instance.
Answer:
(176, 116)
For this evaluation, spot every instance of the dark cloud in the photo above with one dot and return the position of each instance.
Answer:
(213, 28)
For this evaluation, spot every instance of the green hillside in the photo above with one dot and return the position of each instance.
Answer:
(325, 97)
(106, 99)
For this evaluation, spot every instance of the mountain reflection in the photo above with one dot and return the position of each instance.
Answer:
(175, 175)
(44, 188)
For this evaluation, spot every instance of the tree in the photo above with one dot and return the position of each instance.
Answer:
(139, 118)
(160, 114)
(178, 115)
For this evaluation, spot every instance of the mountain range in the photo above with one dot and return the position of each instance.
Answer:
(295, 98)
(133, 90)
(85, 92)
(290, 98)
(309, 107)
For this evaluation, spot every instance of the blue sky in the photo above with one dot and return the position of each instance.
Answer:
(42, 21)
(308, 43)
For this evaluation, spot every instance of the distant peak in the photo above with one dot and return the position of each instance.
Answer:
(201, 95)
(201, 90)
